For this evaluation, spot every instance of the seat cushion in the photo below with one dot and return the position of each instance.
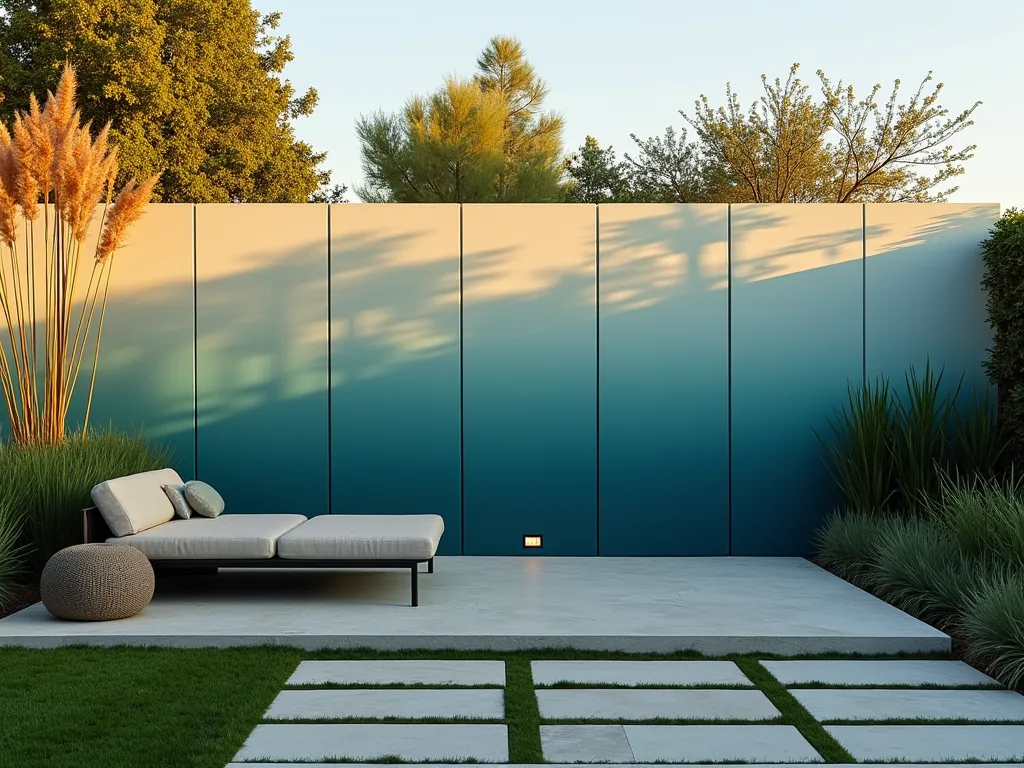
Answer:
(135, 503)
(228, 537)
(363, 537)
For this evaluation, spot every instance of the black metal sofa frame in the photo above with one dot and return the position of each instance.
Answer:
(95, 530)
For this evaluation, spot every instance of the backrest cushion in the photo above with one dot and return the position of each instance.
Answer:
(135, 503)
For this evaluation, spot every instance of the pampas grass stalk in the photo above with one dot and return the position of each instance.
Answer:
(49, 160)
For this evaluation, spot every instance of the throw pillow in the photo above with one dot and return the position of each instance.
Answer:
(203, 499)
(177, 496)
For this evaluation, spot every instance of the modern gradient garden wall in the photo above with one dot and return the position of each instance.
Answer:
(619, 379)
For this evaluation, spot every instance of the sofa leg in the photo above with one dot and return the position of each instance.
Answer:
(430, 565)
(415, 585)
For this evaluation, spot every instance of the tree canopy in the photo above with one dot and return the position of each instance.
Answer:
(479, 140)
(789, 147)
(192, 87)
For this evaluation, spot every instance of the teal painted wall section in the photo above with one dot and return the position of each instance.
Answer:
(663, 273)
(797, 341)
(923, 265)
(261, 306)
(395, 363)
(530, 378)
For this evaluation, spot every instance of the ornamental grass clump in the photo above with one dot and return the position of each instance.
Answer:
(54, 173)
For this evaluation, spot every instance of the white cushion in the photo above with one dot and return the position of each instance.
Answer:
(363, 537)
(135, 503)
(227, 537)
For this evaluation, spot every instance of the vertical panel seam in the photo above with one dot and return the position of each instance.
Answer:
(330, 371)
(462, 415)
(728, 248)
(597, 379)
(195, 342)
(864, 291)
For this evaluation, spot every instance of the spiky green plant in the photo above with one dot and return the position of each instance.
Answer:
(980, 437)
(920, 444)
(12, 554)
(860, 458)
(55, 481)
(993, 623)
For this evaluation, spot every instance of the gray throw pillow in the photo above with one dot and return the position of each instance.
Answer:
(203, 499)
(176, 493)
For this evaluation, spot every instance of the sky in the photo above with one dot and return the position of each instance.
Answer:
(619, 67)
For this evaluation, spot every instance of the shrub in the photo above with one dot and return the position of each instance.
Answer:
(922, 572)
(994, 626)
(984, 518)
(12, 554)
(1003, 256)
(55, 481)
(847, 544)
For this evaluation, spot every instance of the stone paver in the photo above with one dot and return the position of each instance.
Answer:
(904, 704)
(475, 703)
(648, 704)
(689, 743)
(686, 743)
(419, 743)
(880, 672)
(931, 743)
(666, 673)
(585, 744)
(399, 672)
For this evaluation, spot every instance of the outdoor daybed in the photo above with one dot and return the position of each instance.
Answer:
(135, 511)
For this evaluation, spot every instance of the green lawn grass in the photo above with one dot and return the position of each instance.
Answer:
(134, 707)
(193, 708)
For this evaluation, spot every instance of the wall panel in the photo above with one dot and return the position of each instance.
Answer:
(797, 341)
(530, 377)
(923, 294)
(261, 306)
(395, 375)
(664, 379)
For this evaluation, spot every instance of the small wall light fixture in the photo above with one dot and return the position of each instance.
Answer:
(533, 542)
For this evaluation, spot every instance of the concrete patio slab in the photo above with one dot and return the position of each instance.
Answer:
(649, 704)
(903, 704)
(661, 673)
(585, 744)
(419, 743)
(717, 606)
(692, 743)
(399, 672)
(474, 703)
(931, 743)
(877, 672)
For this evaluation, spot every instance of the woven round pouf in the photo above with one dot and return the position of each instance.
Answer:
(97, 582)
